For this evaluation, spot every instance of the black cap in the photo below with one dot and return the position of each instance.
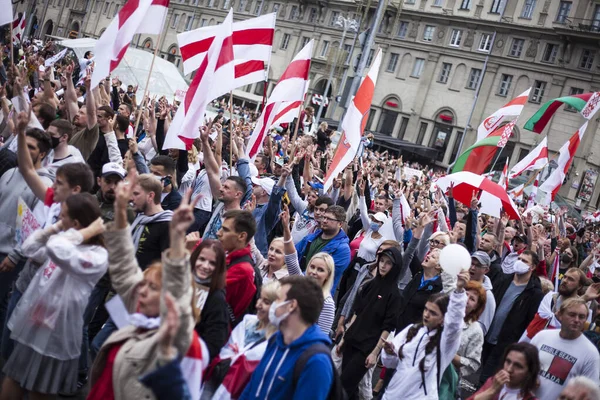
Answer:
(522, 238)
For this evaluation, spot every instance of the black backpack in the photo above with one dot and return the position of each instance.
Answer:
(251, 309)
(336, 392)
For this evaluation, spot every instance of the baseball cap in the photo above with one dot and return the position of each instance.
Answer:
(522, 238)
(381, 217)
(482, 257)
(113, 168)
(265, 183)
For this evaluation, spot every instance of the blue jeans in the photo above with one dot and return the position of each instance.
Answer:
(8, 344)
(96, 299)
(107, 330)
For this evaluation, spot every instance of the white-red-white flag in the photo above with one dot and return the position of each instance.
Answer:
(18, 27)
(353, 125)
(290, 88)
(136, 16)
(217, 67)
(565, 157)
(252, 47)
(503, 180)
(6, 17)
(508, 112)
(517, 193)
(536, 159)
(533, 195)
(289, 110)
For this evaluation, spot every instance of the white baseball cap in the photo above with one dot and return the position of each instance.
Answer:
(266, 183)
(113, 168)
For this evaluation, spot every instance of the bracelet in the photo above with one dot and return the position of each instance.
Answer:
(288, 241)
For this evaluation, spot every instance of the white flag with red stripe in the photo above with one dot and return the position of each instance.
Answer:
(290, 88)
(136, 16)
(565, 157)
(517, 193)
(252, 47)
(533, 195)
(289, 110)
(503, 180)
(354, 123)
(509, 111)
(193, 365)
(536, 159)
(216, 68)
(6, 17)
(18, 27)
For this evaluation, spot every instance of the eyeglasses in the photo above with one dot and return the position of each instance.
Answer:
(434, 242)
(329, 219)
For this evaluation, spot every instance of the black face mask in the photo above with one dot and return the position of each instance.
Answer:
(565, 258)
(596, 279)
(55, 141)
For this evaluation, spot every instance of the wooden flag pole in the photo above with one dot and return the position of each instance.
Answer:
(231, 132)
(139, 114)
(295, 135)
(12, 53)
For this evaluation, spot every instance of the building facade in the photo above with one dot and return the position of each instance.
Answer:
(434, 54)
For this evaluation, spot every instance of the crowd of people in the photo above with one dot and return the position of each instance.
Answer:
(130, 271)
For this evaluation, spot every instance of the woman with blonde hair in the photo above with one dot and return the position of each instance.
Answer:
(321, 267)
(271, 268)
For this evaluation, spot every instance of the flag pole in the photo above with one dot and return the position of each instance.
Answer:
(139, 114)
(230, 131)
(293, 137)
(12, 53)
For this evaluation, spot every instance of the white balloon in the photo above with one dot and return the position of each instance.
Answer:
(455, 258)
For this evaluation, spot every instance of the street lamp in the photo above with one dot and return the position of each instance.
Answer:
(347, 24)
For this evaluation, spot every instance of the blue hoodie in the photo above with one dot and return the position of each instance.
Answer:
(338, 248)
(273, 378)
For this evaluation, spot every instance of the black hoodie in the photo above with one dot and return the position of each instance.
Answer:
(376, 306)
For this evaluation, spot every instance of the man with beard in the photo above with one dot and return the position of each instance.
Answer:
(517, 297)
(572, 283)
(62, 153)
(112, 174)
(85, 121)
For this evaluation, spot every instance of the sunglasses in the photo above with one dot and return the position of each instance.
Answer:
(434, 242)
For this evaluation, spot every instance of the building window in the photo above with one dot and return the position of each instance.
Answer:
(294, 14)
(333, 18)
(409, 2)
(418, 67)
(305, 40)
(459, 135)
(438, 3)
(497, 6)
(106, 5)
(474, 78)
(587, 59)
(115, 11)
(505, 82)
(445, 72)
(324, 49)
(226, 4)
(312, 16)
(97, 7)
(516, 48)
(211, 3)
(596, 20)
(387, 121)
(563, 11)
(422, 132)
(455, 37)
(285, 41)
(539, 87)
(486, 42)
(203, 22)
(403, 126)
(528, 8)
(258, 7)
(188, 23)
(573, 92)
(550, 53)
(428, 33)
(242, 5)
(276, 7)
(175, 21)
(370, 58)
(402, 29)
(465, 5)
(392, 63)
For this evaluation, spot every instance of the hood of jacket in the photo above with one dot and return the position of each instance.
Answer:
(396, 256)
(487, 283)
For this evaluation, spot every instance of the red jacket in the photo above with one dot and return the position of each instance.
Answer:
(239, 282)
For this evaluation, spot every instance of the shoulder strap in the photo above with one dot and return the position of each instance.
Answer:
(553, 302)
(317, 348)
(245, 258)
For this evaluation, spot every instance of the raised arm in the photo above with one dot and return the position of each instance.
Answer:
(210, 163)
(90, 104)
(70, 94)
(291, 258)
(26, 167)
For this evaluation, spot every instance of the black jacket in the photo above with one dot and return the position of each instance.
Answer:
(213, 327)
(414, 299)
(171, 201)
(495, 273)
(523, 309)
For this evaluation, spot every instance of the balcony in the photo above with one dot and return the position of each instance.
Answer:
(582, 25)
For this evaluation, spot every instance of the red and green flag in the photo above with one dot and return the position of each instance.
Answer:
(540, 119)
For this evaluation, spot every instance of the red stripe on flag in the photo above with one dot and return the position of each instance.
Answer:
(127, 11)
(288, 108)
(265, 116)
(194, 48)
(189, 96)
(164, 3)
(297, 69)
(249, 67)
(479, 159)
(363, 99)
(517, 101)
(115, 63)
(226, 54)
(253, 36)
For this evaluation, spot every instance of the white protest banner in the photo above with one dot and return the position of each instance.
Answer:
(26, 222)
(55, 58)
(20, 104)
(410, 172)
(592, 106)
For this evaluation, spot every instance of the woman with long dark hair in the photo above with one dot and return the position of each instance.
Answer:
(518, 377)
(421, 352)
(208, 301)
(44, 324)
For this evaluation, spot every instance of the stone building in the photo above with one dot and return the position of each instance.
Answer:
(434, 53)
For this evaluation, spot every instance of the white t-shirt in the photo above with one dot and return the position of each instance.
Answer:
(561, 360)
(510, 394)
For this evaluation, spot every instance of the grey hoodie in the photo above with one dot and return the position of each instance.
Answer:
(485, 319)
(13, 186)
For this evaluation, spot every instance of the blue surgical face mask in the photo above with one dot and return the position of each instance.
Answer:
(374, 226)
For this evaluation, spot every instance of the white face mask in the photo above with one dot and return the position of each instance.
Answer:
(521, 268)
(274, 319)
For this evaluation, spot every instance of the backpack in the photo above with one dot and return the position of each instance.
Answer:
(336, 392)
(593, 336)
(251, 309)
